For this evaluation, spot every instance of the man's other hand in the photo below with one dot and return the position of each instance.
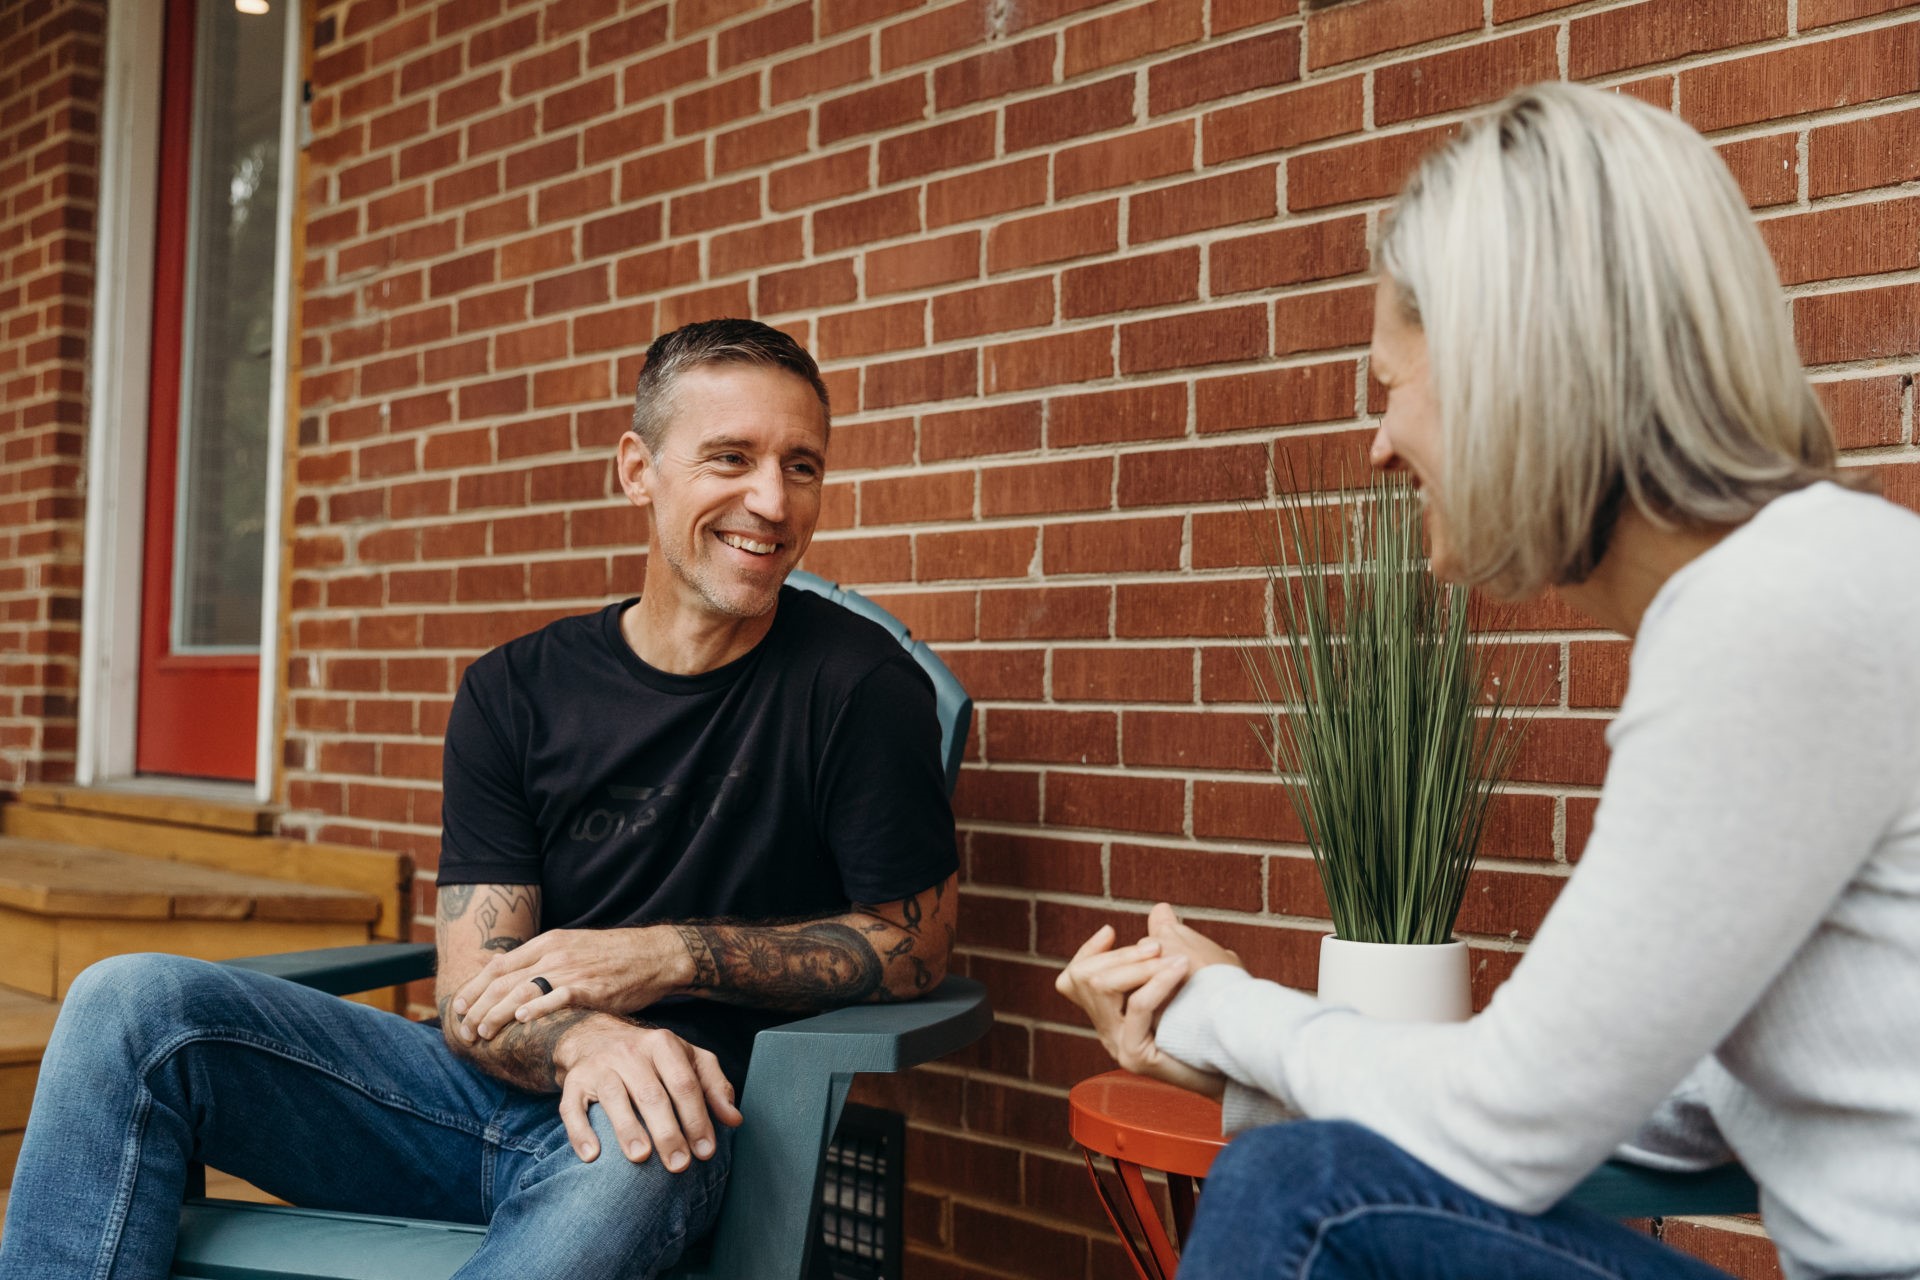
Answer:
(660, 1093)
(610, 970)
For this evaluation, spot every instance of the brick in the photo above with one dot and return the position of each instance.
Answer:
(1279, 397)
(1122, 675)
(1291, 255)
(885, 106)
(1131, 283)
(1368, 170)
(974, 553)
(718, 104)
(834, 67)
(1071, 113)
(923, 263)
(1105, 417)
(1000, 675)
(663, 73)
(1245, 811)
(1859, 324)
(1865, 412)
(759, 143)
(1767, 169)
(948, 29)
(1323, 320)
(776, 32)
(1133, 545)
(1466, 77)
(1056, 236)
(1228, 473)
(861, 222)
(704, 304)
(950, 144)
(1197, 338)
(578, 104)
(1202, 204)
(1187, 877)
(1224, 70)
(1018, 861)
(619, 232)
(1052, 737)
(943, 495)
(1114, 802)
(752, 248)
(1854, 240)
(722, 206)
(813, 181)
(1877, 151)
(1663, 30)
(986, 193)
(1736, 1252)
(1281, 121)
(627, 37)
(994, 74)
(996, 308)
(1036, 488)
(808, 288)
(875, 329)
(1045, 613)
(861, 445)
(1052, 360)
(656, 270)
(1133, 33)
(1123, 161)
(974, 433)
(949, 376)
(843, 15)
(1815, 76)
(1342, 33)
(862, 559)
(1208, 608)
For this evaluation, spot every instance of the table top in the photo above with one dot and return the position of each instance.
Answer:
(1146, 1122)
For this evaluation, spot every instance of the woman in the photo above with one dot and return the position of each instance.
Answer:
(1590, 372)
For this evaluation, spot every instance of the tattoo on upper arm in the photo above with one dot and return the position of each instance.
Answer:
(825, 962)
(504, 912)
(454, 900)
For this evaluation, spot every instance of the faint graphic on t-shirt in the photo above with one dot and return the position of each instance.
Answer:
(629, 810)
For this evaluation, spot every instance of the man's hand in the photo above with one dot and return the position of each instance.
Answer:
(1122, 990)
(610, 970)
(660, 1093)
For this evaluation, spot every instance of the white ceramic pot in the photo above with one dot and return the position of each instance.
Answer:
(1396, 982)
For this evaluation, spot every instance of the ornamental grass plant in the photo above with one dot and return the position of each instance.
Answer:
(1391, 725)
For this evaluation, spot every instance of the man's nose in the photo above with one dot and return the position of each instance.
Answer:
(1380, 453)
(767, 493)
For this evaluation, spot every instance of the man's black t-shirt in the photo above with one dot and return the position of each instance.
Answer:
(792, 782)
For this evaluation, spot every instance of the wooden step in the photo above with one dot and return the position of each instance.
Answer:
(384, 875)
(25, 1023)
(180, 804)
(63, 907)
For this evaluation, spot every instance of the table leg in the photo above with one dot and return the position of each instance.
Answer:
(1182, 1191)
(1135, 1220)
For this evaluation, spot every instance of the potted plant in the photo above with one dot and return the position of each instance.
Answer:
(1393, 731)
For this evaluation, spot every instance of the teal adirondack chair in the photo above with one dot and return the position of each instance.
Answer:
(1620, 1190)
(796, 1087)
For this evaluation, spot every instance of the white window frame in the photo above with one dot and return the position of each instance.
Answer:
(119, 369)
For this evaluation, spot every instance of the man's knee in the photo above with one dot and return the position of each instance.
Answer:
(141, 989)
(683, 1203)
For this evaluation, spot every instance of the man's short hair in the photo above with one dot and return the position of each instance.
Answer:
(709, 342)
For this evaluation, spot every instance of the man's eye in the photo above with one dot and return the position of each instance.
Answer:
(805, 470)
(731, 459)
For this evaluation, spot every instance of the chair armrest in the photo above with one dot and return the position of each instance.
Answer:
(880, 1037)
(341, 971)
(1621, 1190)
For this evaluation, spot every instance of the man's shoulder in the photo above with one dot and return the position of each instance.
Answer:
(843, 645)
(562, 644)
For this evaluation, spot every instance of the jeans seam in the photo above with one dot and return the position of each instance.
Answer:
(1327, 1224)
(224, 1035)
(123, 1194)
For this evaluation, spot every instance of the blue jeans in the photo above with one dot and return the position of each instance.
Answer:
(157, 1061)
(1328, 1200)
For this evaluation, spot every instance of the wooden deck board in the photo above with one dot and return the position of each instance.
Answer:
(65, 880)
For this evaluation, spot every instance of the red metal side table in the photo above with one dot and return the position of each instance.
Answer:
(1137, 1123)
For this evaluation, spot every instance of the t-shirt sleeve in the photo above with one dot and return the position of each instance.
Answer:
(487, 831)
(883, 803)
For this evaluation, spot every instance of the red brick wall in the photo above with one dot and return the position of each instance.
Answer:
(50, 56)
(1081, 276)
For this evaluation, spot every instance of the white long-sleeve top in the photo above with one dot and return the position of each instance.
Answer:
(1734, 966)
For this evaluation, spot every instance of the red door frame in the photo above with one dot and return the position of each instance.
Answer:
(198, 713)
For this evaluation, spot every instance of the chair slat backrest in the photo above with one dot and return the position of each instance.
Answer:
(952, 704)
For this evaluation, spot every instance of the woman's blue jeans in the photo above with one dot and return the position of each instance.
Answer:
(1328, 1200)
(157, 1061)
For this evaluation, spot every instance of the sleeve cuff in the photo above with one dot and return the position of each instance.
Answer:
(1244, 1108)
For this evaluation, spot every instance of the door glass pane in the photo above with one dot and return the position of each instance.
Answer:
(227, 365)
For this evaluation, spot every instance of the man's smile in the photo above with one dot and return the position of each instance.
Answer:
(740, 542)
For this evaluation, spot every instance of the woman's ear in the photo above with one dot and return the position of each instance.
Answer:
(634, 464)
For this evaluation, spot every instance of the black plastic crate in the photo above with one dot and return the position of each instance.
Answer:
(862, 1183)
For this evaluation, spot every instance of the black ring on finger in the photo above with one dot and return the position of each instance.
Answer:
(546, 988)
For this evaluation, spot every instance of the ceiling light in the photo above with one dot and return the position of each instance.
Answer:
(254, 7)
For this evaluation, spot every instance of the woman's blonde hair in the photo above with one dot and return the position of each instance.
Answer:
(1603, 324)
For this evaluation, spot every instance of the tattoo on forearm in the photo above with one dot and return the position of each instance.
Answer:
(521, 1053)
(817, 964)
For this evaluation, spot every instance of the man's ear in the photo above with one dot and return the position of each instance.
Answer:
(634, 465)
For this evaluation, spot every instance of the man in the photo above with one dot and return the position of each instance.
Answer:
(631, 799)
